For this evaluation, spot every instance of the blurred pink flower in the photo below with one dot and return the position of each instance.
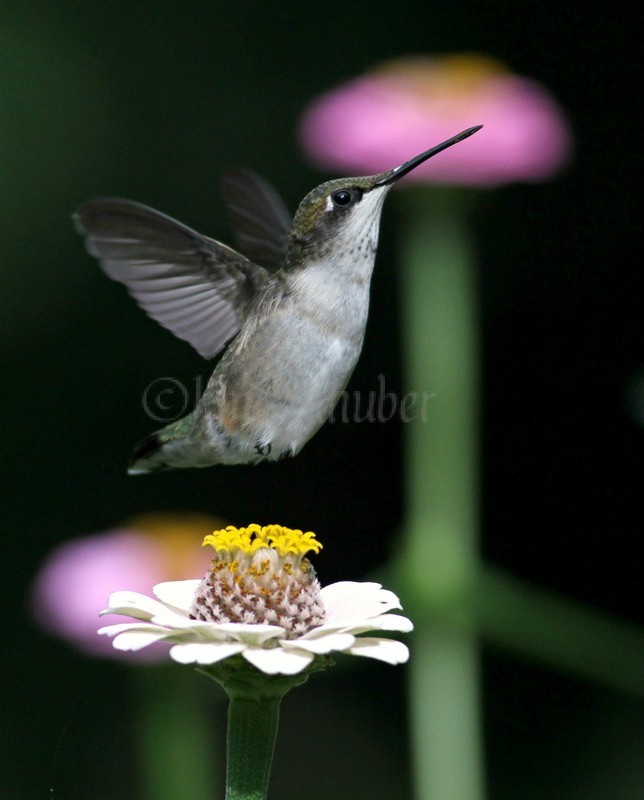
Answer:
(402, 107)
(72, 585)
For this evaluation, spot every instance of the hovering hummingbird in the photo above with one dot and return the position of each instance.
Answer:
(290, 314)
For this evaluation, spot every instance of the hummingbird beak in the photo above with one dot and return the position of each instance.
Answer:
(397, 172)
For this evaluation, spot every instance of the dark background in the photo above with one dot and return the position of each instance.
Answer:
(153, 101)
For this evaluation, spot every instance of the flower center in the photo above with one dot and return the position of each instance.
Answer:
(261, 576)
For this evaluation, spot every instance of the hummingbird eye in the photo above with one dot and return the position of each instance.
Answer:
(344, 198)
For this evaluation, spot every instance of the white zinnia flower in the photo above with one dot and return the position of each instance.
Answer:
(261, 599)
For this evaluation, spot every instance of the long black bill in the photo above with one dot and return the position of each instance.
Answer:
(403, 169)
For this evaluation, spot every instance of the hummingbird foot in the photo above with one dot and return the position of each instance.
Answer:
(263, 449)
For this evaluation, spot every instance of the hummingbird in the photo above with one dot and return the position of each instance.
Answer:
(289, 313)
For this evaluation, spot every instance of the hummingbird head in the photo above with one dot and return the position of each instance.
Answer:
(343, 215)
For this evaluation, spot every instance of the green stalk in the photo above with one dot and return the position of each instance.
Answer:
(252, 729)
(555, 630)
(440, 552)
(253, 717)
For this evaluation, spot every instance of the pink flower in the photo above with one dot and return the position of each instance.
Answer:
(70, 589)
(403, 107)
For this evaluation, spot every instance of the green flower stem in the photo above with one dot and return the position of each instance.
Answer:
(440, 557)
(253, 717)
(175, 735)
(252, 729)
(453, 598)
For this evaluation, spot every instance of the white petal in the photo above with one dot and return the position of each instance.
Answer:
(388, 650)
(278, 661)
(137, 639)
(322, 644)
(394, 622)
(349, 603)
(178, 594)
(337, 592)
(247, 633)
(204, 653)
(201, 629)
(385, 622)
(133, 604)
(112, 630)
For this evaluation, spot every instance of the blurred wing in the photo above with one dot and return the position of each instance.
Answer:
(259, 219)
(195, 286)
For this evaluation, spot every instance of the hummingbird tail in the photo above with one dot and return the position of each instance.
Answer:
(153, 454)
(145, 457)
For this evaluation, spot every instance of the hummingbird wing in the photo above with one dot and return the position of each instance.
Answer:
(196, 287)
(258, 216)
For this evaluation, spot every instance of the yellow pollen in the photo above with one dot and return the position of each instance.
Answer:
(248, 541)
